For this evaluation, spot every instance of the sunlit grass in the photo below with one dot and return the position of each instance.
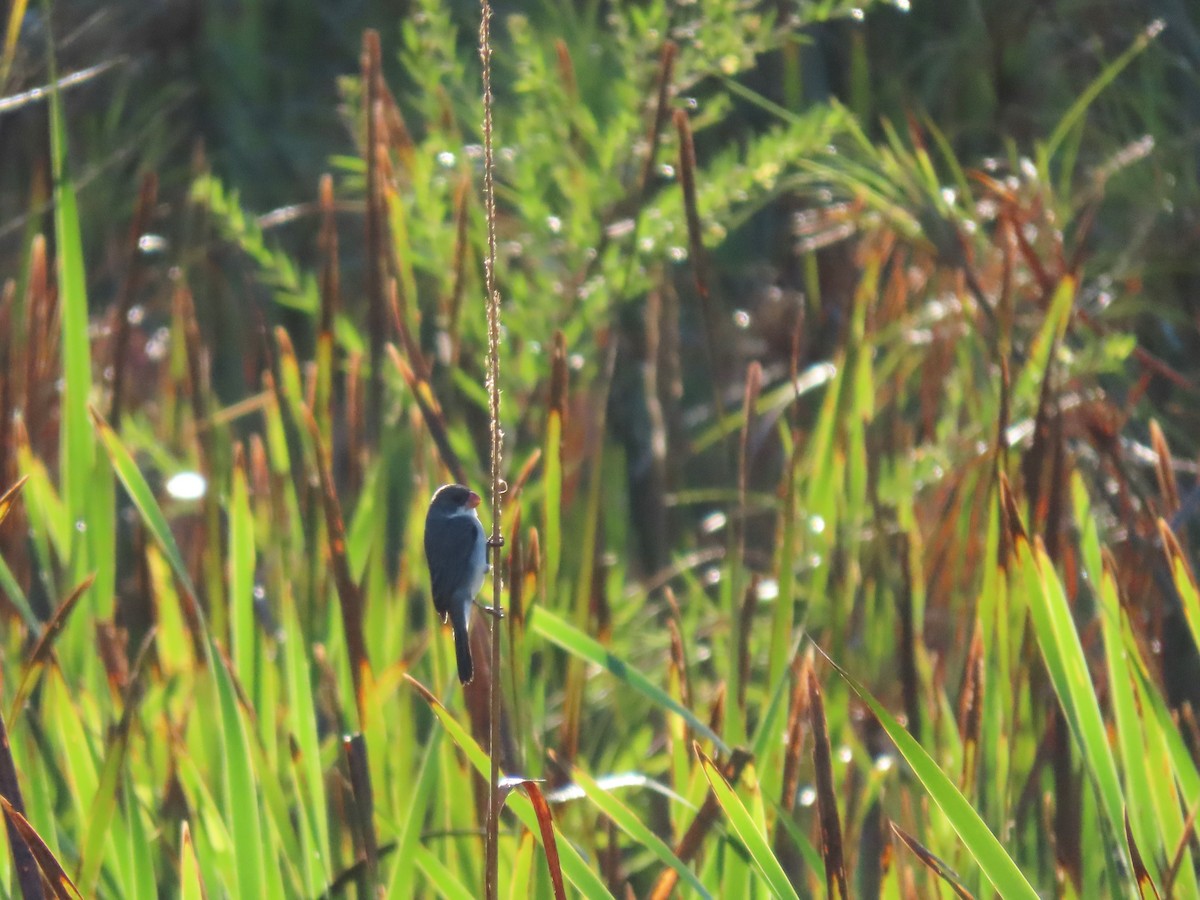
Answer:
(245, 693)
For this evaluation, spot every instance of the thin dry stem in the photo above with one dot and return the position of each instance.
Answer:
(493, 379)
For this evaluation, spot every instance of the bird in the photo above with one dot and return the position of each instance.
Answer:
(456, 552)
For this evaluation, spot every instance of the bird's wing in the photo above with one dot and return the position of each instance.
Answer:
(456, 539)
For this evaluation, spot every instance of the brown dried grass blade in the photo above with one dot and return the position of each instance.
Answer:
(785, 848)
(24, 863)
(546, 824)
(431, 412)
(931, 862)
(831, 828)
(374, 243)
(43, 650)
(1164, 470)
(1145, 883)
(10, 497)
(658, 122)
(687, 181)
(354, 748)
(970, 704)
(56, 877)
(1185, 840)
(348, 592)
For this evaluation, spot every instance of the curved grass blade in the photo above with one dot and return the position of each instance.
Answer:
(546, 823)
(143, 498)
(625, 819)
(931, 862)
(1068, 669)
(573, 866)
(559, 632)
(1145, 883)
(51, 868)
(706, 817)
(1185, 581)
(104, 802)
(1092, 91)
(831, 827)
(10, 497)
(78, 446)
(44, 647)
(241, 794)
(743, 824)
(24, 864)
(440, 876)
(996, 864)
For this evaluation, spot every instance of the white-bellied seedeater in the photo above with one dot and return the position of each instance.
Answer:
(456, 551)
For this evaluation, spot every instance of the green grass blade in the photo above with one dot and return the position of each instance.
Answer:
(987, 851)
(578, 644)
(143, 498)
(1068, 668)
(744, 826)
(573, 866)
(78, 447)
(625, 819)
(1080, 107)
(241, 793)
(241, 580)
(440, 876)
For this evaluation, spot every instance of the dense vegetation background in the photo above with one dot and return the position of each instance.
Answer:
(864, 330)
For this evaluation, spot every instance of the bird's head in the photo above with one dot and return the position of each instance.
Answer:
(450, 498)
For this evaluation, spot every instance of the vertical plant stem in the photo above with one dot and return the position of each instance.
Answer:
(493, 378)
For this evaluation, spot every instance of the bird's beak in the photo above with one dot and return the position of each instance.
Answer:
(472, 500)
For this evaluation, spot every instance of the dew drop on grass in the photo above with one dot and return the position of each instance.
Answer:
(678, 254)
(554, 223)
(845, 754)
(713, 522)
(446, 159)
(712, 576)
(152, 243)
(885, 762)
(741, 319)
(666, 170)
(768, 589)
(136, 314)
(816, 524)
(186, 486)
(807, 795)
(619, 228)
(80, 526)
(156, 346)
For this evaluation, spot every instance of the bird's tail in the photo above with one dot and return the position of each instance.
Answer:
(462, 645)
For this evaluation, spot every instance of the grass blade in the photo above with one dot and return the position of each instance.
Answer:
(578, 644)
(988, 852)
(755, 841)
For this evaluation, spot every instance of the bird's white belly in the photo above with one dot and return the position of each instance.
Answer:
(479, 563)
